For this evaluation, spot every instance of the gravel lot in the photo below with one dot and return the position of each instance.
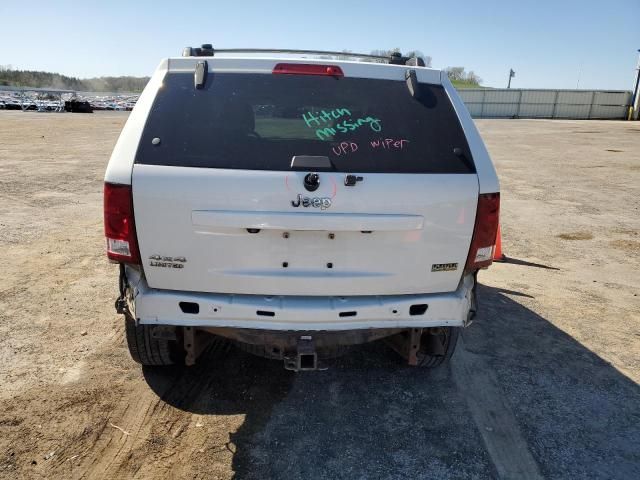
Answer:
(544, 384)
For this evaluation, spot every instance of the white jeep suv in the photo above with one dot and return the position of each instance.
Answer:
(295, 206)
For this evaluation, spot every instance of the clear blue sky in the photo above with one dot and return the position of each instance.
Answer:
(548, 43)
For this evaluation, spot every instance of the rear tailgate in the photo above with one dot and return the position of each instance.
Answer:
(219, 209)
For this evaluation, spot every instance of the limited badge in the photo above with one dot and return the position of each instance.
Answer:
(444, 267)
(167, 262)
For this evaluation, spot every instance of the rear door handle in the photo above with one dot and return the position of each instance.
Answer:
(311, 162)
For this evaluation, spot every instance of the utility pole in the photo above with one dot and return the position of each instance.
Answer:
(635, 99)
(579, 73)
(511, 75)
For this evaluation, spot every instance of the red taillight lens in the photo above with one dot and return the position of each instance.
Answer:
(308, 69)
(119, 226)
(484, 232)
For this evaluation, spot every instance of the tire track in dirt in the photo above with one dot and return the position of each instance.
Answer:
(168, 424)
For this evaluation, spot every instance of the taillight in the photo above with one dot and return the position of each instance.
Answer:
(484, 232)
(308, 69)
(119, 226)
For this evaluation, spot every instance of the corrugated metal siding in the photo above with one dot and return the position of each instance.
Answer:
(574, 98)
(469, 95)
(572, 111)
(609, 111)
(538, 96)
(475, 109)
(500, 110)
(502, 96)
(519, 103)
(534, 110)
(612, 98)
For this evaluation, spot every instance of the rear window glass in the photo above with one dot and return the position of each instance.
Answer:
(260, 121)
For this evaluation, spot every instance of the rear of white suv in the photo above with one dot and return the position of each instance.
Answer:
(297, 206)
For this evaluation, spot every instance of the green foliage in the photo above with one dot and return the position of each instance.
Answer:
(29, 78)
(464, 84)
(460, 77)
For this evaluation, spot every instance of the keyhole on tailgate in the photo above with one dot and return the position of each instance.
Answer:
(311, 181)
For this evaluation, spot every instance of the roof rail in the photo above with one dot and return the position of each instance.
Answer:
(395, 58)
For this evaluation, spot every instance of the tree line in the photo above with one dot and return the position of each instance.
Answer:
(36, 79)
(458, 75)
(30, 78)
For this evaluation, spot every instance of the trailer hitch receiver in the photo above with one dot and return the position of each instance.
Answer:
(305, 358)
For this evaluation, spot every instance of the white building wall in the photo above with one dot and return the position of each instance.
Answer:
(532, 103)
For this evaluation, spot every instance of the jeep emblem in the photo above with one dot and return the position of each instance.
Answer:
(317, 202)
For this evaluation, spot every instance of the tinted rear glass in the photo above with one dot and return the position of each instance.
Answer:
(260, 121)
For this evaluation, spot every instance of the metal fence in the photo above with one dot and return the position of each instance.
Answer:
(521, 103)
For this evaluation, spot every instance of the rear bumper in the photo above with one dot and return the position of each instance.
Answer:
(162, 307)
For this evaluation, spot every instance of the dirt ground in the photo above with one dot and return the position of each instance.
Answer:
(544, 384)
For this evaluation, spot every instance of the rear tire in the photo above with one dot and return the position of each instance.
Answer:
(437, 349)
(147, 350)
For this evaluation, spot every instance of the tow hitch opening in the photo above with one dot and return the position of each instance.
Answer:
(305, 358)
(308, 361)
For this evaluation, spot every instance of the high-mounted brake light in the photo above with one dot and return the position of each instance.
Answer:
(119, 225)
(308, 69)
(484, 232)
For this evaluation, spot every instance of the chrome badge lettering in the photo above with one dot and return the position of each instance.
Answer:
(444, 267)
(316, 202)
(167, 262)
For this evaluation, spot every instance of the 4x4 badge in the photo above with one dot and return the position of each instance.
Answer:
(317, 202)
